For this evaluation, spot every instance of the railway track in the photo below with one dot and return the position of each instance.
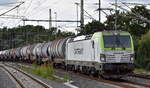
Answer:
(141, 75)
(11, 74)
(24, 79)
(120, 83)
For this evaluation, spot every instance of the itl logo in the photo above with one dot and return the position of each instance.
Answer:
(78, 51)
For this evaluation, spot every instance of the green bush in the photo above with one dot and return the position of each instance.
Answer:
(43, 71)
(143, 52)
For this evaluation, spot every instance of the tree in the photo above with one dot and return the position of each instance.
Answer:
(126, 21)
(29, 34)
(143, 55)
(92, 27)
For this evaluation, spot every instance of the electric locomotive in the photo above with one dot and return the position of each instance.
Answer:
(107, 53)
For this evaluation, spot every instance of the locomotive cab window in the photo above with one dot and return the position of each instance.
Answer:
(117, 41)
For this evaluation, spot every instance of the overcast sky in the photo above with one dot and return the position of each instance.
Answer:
(65, 9)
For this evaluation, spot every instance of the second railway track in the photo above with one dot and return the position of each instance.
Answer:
(24, 79)
(120, 82)
(141, 75)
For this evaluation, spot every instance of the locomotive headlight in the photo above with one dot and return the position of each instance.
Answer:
(131, 57)
(102, 57)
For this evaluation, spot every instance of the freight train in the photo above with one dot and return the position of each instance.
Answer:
(106, 53)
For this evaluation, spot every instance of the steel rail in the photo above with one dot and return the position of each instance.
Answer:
(97, 79)
(136, 83)
(112, 82)
(116, 83)
(19, 82)
(140, 75)
(36, 80)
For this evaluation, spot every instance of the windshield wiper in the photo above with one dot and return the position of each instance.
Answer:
(113, 48)
(118, 42)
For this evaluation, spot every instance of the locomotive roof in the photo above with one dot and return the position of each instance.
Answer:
(113, 32)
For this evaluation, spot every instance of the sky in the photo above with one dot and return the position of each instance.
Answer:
(6, 1)
(65, 9)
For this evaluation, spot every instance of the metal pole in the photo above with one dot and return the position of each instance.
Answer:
(1, 41)
(77, 4)
(26, 36)
(55, 18)
(24, 23)
(116, 14)
(50, 18)
(99, 10)
(82, 14)
(38, 40)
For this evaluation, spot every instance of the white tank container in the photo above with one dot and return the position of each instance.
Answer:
(24, 51)
(35, 49)
(28, 50)
(57, 48)
(44, 50)
(18, 52)
(39, 50)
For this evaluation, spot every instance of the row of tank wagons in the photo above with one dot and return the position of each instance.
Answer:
(41, 50)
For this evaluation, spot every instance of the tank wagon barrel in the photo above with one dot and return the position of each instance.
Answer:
(36, 49)
(39, 50)
(18, 52)
(32, 49)
(57, 48)
(44, 50)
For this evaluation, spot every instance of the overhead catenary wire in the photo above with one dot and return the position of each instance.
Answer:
(11, 17)
(137, 14)
(134, 13)
(12, 9)
(9, 3)
(41, 2)
(37, 7)
(28, 7)
(51, 20)
(90, 16)
(134, 3)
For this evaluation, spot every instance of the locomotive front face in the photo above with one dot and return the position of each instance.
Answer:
(116, 52)
(117, 48)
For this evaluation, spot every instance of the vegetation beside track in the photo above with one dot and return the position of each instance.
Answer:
(142, 55)
(142, 71)
(44, 71)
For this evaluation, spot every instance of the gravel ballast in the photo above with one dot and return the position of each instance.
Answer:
(5, 81)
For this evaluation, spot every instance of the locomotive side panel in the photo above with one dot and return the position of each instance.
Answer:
(80, 52)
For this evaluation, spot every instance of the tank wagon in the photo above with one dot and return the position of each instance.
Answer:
(106, 53)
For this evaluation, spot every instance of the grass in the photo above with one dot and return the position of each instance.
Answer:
(142, 71)
(44, 71)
